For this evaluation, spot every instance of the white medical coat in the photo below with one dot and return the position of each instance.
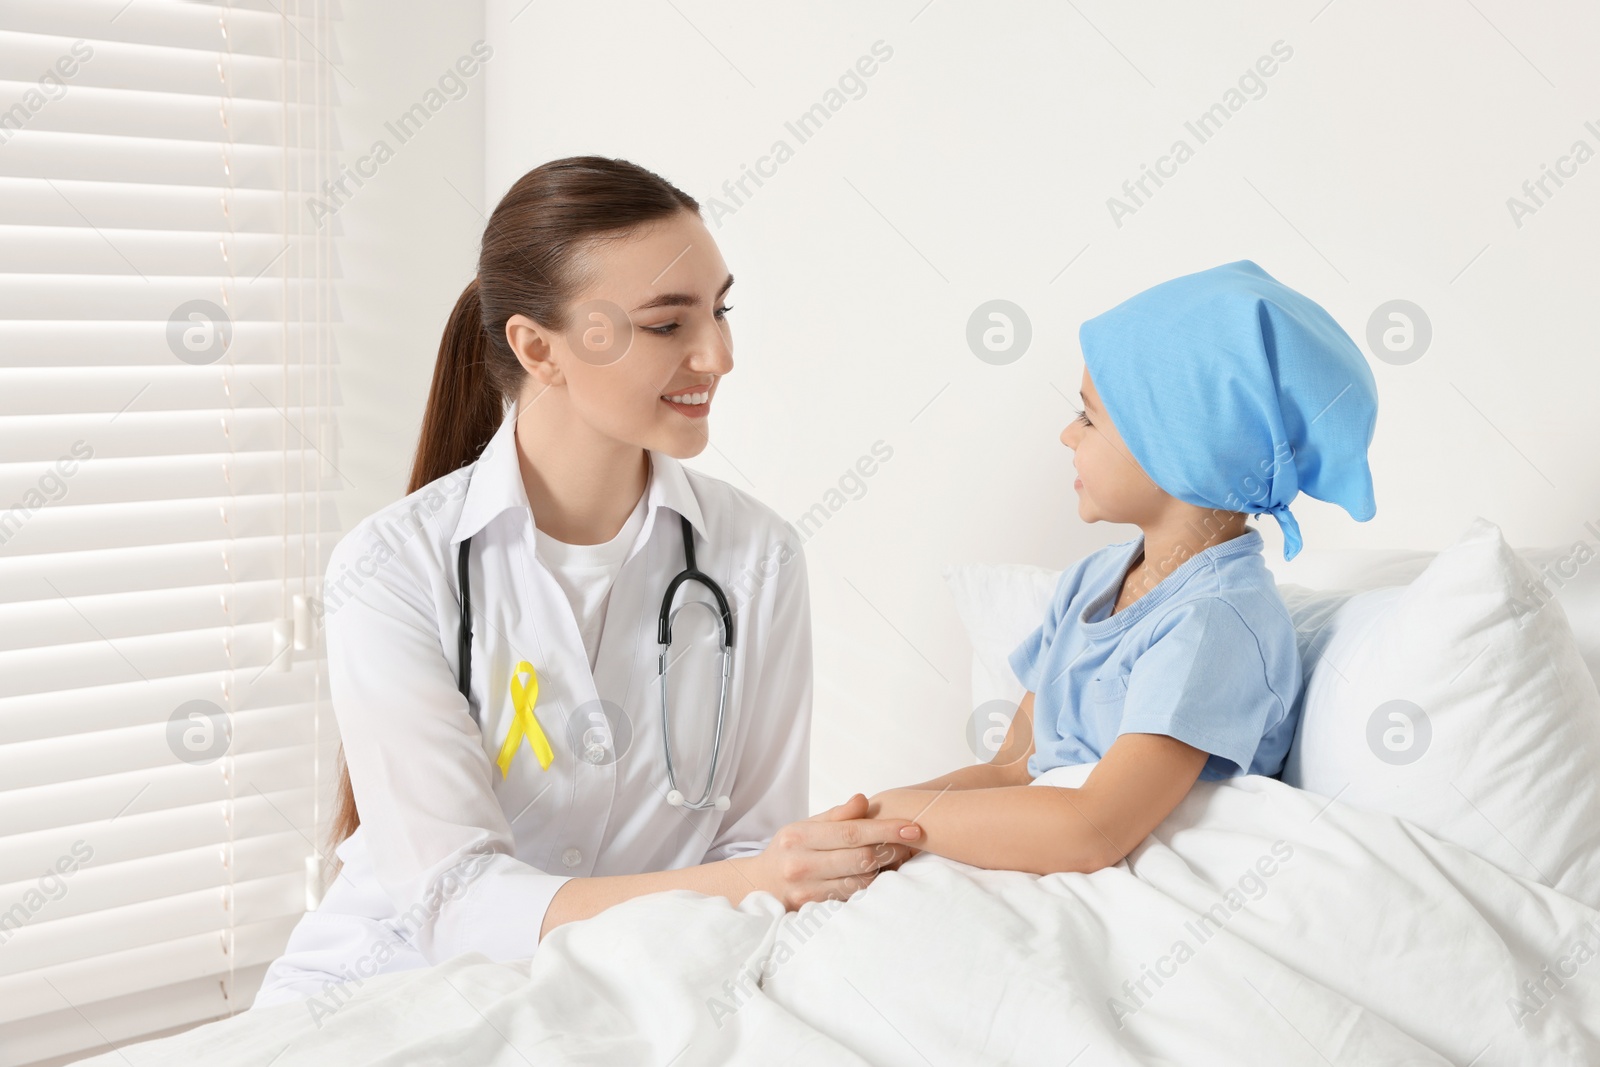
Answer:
(450, 858)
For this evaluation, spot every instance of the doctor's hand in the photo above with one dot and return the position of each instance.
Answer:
(831, 855)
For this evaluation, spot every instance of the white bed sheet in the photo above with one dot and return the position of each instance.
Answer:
(1372, 943)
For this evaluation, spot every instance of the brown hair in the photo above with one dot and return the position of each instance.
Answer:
(530, 262)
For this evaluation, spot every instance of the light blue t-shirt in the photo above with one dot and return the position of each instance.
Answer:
(1208, 656)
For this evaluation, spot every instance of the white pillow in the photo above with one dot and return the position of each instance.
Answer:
(999, 605)
(1564, 571)
(1438, 703)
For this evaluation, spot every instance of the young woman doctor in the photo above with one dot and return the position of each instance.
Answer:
(575, 371)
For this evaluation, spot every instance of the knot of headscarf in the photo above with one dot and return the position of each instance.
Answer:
(1290, 527)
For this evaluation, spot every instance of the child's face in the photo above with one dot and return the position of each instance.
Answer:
(1111, 485)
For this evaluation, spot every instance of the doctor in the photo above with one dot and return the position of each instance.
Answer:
(575, 371)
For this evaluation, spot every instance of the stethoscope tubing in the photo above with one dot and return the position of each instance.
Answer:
(690, 573)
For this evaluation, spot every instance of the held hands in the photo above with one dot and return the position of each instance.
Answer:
(882, 806)
(831, 855)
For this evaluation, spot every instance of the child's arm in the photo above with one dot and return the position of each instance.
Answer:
(1045, 829)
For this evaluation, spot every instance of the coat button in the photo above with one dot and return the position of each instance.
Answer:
(572, 857)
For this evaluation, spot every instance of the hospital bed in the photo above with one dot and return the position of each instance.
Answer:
(1389, 907)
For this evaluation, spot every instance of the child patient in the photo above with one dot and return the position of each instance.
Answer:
(1169, 657)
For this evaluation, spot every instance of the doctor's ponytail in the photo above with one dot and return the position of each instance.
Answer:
(465, 405)
(530, 262)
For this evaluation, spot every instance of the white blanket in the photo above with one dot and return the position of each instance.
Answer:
(1334, 936)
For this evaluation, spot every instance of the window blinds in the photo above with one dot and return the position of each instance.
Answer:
(168, 470)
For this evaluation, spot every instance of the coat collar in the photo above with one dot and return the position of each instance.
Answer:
(496, 486)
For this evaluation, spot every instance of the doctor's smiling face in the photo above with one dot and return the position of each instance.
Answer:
(646, 343)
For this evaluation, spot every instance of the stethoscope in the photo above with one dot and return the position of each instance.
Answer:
(690, 573)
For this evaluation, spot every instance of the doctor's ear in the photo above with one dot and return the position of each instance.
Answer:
(530, 342)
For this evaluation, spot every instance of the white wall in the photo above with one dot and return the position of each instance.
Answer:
(977, 165)
(410, 238)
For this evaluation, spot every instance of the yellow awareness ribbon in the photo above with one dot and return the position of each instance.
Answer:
(523, 724)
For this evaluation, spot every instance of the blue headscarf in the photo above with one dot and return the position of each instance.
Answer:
(1234, 391)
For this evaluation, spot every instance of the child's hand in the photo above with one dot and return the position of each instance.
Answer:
(891, 855)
